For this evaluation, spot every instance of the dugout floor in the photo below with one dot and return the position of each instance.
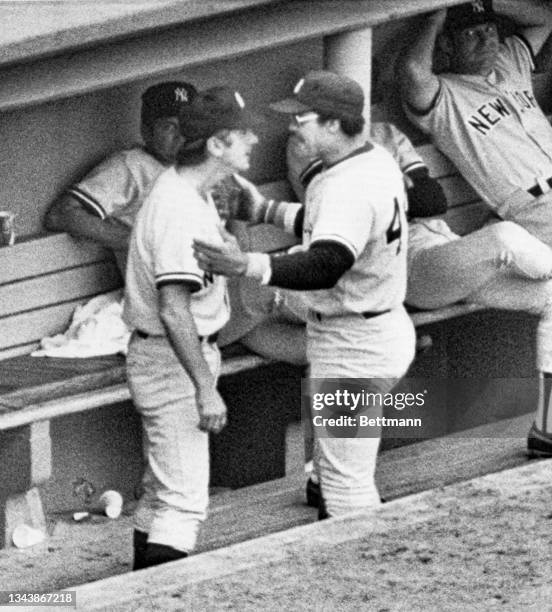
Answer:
(77, 553)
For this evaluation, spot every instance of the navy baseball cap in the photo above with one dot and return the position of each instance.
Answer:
(469, 14)
(166, 99)
(324, 92)
(213, 110)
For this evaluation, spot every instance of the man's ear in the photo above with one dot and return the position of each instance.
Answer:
(214, 146)
(333, 125)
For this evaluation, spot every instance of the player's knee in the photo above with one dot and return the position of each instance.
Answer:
(507, 234)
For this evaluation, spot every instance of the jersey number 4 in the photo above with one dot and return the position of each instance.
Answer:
(394, 231)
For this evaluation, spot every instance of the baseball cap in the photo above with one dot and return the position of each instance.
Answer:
(324, 92)
(469, 14)
(166, 99)
(215, 109)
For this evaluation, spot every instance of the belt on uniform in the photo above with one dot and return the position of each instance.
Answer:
(210, 339)
(367, 314)
(537, 191)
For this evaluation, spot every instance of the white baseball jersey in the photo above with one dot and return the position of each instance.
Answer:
(172, 215)
(422, 233)
(492, 127)
(360, 202)
(117, 186)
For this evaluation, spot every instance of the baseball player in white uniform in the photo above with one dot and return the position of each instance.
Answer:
(104, 204)
(499, 266)
(482, 113)
(352, 267)
(176, 311)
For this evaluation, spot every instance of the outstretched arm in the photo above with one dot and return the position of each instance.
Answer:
(68, 215)
(419, 83)
(319, 267)
(534, 18)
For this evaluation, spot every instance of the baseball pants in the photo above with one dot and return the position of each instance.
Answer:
(378, 351)
(500, 266)
(533, 214)
(176, 478)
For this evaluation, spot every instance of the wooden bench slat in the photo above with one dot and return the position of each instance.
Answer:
(16, 351)
(83, 391)
(50, 289)
(427, 317)
(46, 254)
(30, 327)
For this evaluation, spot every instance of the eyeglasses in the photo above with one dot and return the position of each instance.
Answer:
(302, 118)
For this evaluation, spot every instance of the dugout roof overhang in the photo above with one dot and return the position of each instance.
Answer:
(54, 49)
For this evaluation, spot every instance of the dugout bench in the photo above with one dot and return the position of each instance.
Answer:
(61, 273)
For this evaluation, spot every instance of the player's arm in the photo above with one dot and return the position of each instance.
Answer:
(420, 85)
(426, 197)
(67, 214)
(176, 315)
(258, 209)
(320, 267)
(533, 17)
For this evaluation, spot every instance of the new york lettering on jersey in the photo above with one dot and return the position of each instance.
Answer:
(495, 110)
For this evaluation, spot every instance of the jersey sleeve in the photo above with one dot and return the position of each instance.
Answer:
(398, 144)
(172, 244)
(108, 188)
(519, 53)
(337, 218)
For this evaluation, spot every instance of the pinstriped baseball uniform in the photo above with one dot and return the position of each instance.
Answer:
(176, 479)
(359, 202)
(117, 187)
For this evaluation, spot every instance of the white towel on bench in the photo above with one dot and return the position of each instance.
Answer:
(97, 328)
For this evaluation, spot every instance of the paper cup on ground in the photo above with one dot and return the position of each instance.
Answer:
(24, 536)
(111, 502)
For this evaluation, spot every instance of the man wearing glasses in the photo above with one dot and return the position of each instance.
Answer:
(352, 268)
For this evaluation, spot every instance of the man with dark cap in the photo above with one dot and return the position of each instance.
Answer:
(351, 271)
(176, 311)
(103, 205)
(483, 115)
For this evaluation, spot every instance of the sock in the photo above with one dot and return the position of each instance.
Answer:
(140, 544)
(543, 417)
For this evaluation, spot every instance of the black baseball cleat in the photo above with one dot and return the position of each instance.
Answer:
(148, 555)
(539, 444)
(313, 494)
(156, 554)
(140, 545)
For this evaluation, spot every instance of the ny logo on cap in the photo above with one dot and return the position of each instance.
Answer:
(180, 94)
(297, 88)
(239, 100)
(477, 6)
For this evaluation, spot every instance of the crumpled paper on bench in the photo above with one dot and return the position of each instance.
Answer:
(97, 328)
